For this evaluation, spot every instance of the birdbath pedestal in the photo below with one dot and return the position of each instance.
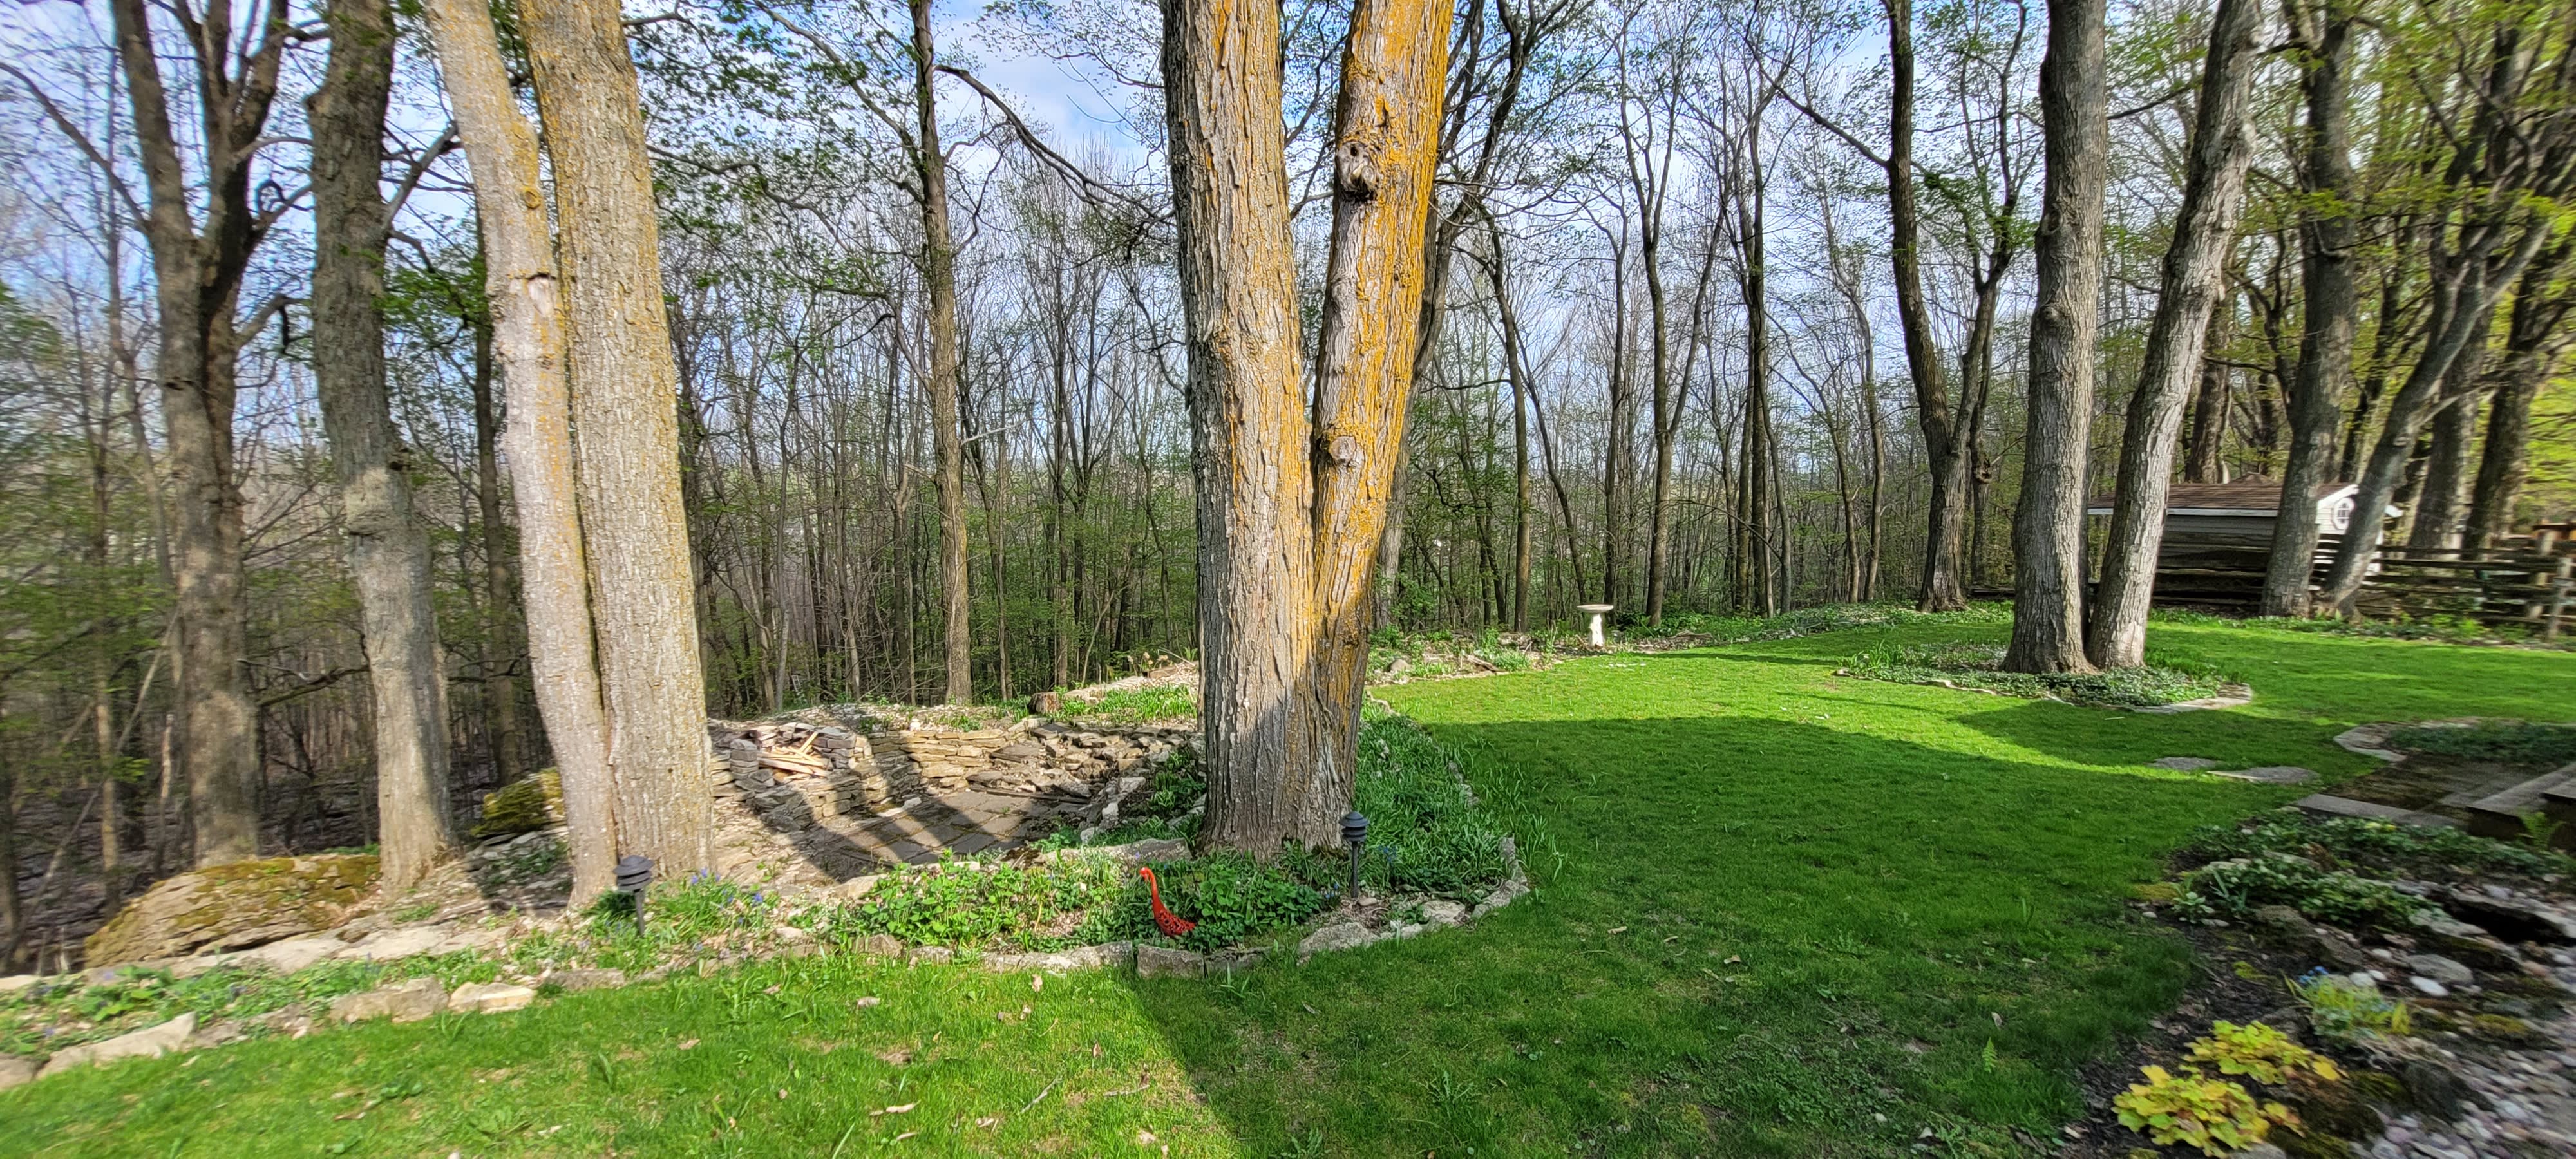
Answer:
(1597, 613)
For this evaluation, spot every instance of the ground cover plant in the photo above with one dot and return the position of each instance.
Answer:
(1772, 905)
(2511, 742)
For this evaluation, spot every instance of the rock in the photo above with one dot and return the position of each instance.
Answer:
(17, 982)
(934, 955)
(2433, 1086)
(15, 1071)
(2184, 764)
(1046, 704)
(2272, 774)
(489, 998)
(463, 940)
(410, 1000)
(1341, 935)
(149, 1042)
(2428, 987)
(879, 945)
(2440, 969)
(1443, 912)
(2513, 918)
(293, 954)
(523, 806)
(2326, 944)
(236, 906)
(388, 945)
(1134, 852)
(2262, 1151)
(1502, 896)
(1159, 962)
(587, 979)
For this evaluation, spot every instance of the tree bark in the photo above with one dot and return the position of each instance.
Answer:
(939, 277)
(500, 684)
(627, 456)
(2195, 267)
(2048, 525)
(1394, 70)
(2535, 339)
(2210, 400)
(1237, 273)
(388, 554)
(198, 268)
(2441, 501)
(521, 281)
(1944, 586)
(2326, 236)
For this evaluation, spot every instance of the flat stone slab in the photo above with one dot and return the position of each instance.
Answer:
(489, 998)
(293, 954)
(2184, 764)
(2327, 804)
(391, 944)
(2271, 775)
(149, 1042)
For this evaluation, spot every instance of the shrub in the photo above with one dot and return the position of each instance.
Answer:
(2214, 1115)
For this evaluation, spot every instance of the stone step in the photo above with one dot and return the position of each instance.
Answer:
(2329, 805)
(2499, 815)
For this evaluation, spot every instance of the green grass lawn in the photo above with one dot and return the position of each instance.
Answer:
(1779, 912)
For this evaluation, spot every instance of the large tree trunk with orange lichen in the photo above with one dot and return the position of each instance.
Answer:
(1291, 507)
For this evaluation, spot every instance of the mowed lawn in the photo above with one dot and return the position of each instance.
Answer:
(1779, 912)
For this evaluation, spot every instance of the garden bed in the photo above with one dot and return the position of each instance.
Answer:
(2160, 683)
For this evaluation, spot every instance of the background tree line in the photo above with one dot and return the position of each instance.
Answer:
(1723, 309)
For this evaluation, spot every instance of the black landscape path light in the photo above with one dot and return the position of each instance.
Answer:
(1354, 835)
(634, 876)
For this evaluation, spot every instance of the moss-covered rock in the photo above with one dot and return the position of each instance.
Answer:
(237, 906)
(522, 806)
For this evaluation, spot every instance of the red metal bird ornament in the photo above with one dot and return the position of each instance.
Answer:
(1173, 925)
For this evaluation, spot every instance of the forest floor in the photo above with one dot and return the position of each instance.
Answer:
(1778, 912)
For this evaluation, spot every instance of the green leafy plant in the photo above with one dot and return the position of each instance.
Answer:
(2240, 886)
(2511, 742)
(2344, 1010)
(2258, 1052)
(2214, 1115)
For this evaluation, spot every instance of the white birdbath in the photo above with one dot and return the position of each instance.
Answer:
(1598, 613)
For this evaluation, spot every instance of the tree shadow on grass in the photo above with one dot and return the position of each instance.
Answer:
(1761, 936)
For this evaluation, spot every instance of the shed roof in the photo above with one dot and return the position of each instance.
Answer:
(2243, 497)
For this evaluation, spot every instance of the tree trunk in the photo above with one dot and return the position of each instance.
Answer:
(627, 456)
(388, 554)
(939, 278)
(1394, 69)
(198, 269)
(2048, 525)
(2326, 234)
(500, 685)
(2534, 341)
(2195, 266)
(520, 280)
(2210, 400)
(1944, 587)
(1237, 272)
(2441, 502)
